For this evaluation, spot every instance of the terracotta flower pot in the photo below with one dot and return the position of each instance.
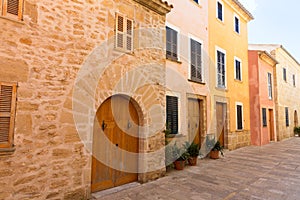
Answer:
(193, 161)
(214, 154)
(179, 164)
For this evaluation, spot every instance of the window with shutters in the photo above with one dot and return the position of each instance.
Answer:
(236, 24)
(220, 11)
(12, 8)
(270, 88)
(264, 117)
(284, 74)
(196, 61)
(287, 120)
(238, 69)
(171, 44)
(172, 114)
(7, 114)
(124, 33)
(294, 80)
(239, 116)
(221, 69)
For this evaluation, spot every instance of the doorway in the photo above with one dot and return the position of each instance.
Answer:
(271, 125)
(295, 118)
(118, 120)
(221, 119)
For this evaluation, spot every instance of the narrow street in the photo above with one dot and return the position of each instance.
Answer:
(268, 172)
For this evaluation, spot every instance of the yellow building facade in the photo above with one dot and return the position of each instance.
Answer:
(229, 88)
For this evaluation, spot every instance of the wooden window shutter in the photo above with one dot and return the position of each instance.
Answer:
(129, 35)
(172, 114)
(239, 117)
(120, 32)
(7, 113)
(196, 61)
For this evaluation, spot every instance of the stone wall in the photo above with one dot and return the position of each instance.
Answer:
(43, 54)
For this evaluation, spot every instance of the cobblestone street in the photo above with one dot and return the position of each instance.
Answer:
(268, 172)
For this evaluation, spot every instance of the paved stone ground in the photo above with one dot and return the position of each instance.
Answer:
(268, 172)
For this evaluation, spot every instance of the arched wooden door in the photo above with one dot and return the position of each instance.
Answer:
(295, 118)
(115, 127)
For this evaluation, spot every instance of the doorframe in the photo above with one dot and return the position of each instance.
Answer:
(223, 100)
(140, 139)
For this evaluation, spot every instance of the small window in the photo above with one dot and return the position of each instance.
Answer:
(237, 24)
(220, 11)
(287, 121)
(294, 80)
(264, 117)
(238, 69)
(196, 61)
(196, 1)
(12, 8)
(172, 114)
(284, 74)
(7, 114)
(239, 116)
(221, 68)
(172, 46)
(270, 88)
(124, 33)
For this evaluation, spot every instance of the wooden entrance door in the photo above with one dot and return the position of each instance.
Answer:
(221, 117)
(271, 125)
(116, 123)
(194, 120)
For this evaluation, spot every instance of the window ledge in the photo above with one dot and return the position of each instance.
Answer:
(12, 19)
(198, 82)
(7, 151)
(173, 60)
(222, 89)
(179, 135)
(239, 81)
(239, 130)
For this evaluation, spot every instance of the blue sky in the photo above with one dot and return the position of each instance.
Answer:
(276, 22)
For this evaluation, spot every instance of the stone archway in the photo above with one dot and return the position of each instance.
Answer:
(117, 120)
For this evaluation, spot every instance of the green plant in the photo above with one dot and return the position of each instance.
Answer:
(297, 130)
(180, 153)
(192, 148)
(214, 146)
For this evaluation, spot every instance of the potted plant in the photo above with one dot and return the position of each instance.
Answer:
(193, 150)
(215, 151)
(181, 156)
(297, 131)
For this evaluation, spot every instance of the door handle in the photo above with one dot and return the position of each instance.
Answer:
(129, 125)
(103, 125)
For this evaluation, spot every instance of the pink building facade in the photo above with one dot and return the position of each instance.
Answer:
(262, 110)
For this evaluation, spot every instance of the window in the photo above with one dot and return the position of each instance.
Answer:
(220, 11)
(239, 116)
(7, 114)
(294, 80)
(264, 117)
(238, 69)
(172, 44)
(284, 74)
(124, 33)
(236, 24)
(172, 114)
(270, 89)
(196, 61)
(287, 121)
(196, 1)
(221, 69)
(12, 8)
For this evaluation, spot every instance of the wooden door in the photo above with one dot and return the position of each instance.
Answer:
(194, 121)
(119, 118)
(271, 125)
(221, 121)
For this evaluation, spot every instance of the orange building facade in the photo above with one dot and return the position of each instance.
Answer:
(262, 98)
